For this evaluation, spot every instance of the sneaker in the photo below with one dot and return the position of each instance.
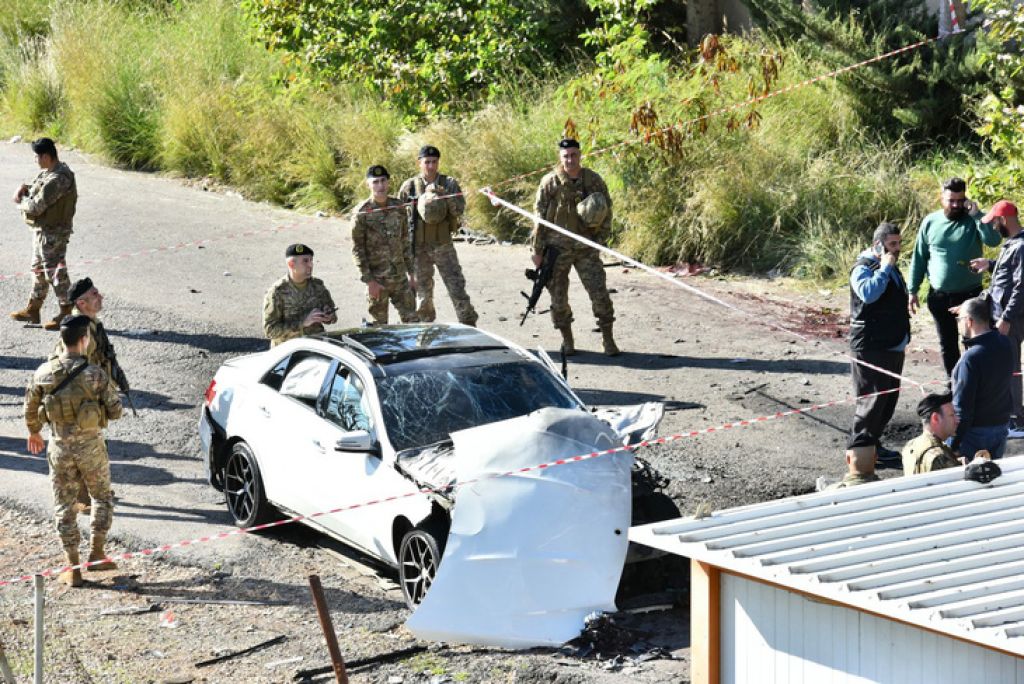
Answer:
(1015, 432)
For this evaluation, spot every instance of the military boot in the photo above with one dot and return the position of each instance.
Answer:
(72, 578)
(568, 345)
(96, 553)
(30, 314)
(65, 310)
(610, 348)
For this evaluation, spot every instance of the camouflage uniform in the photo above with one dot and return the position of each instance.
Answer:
(49, 209)
(926, 453)
(380, 247)
(853, 479)
(286, 305)
(556, 202)
(77, 452)
(432, 246)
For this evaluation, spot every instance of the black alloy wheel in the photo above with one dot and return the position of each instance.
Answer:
(418, 557)
(243, 488)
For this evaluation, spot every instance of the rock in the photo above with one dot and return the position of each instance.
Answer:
(15, 139)
(706, 480)
(395, 679)
(227, 273)
(321, 214)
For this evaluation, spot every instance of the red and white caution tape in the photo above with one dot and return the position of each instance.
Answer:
(686, 434)
(497, 201)
(168, 248)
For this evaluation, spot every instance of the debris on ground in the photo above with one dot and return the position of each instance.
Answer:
(618, 647)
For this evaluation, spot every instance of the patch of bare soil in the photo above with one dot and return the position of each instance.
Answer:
(157, 619)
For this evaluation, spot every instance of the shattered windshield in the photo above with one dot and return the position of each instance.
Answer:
(425, 406)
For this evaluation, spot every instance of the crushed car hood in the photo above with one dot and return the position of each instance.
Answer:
(530, 554)
(434, 466)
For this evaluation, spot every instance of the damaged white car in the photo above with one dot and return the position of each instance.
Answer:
(439, 426)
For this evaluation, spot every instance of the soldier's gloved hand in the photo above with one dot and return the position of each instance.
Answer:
(375, 289)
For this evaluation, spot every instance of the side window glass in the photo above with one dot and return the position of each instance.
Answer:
(305, 378)
(345, 403)
(275, 375)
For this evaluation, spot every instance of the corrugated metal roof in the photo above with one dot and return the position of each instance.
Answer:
(933, 550)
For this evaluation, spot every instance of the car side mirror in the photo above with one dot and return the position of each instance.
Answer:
(357, 440)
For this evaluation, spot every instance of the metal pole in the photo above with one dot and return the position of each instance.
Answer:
(5, 667)
(40, 600)
(328, 627)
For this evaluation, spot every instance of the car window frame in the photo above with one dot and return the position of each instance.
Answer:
(366, 397)
(294, 359)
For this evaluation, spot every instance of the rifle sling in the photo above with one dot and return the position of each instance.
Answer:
(71, 376)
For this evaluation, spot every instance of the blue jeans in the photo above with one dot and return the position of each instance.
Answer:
(991, 438)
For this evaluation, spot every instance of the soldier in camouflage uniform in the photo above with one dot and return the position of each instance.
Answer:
(297, 304)
(76, 400)
(432, 244)
(88, 301)
(48, 206)
(928, 451)
(558, 196)
(380, 247)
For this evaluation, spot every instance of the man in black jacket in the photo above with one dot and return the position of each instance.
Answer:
(1006, 296)
(981, 383)
(879, 334)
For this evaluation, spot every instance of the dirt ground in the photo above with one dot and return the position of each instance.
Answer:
(175, 314)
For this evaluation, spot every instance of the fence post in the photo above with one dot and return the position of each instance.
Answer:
(40, 599)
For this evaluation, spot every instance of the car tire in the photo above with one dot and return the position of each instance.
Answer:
(243, 488)
(419, 554)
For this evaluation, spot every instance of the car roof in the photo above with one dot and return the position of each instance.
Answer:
(395, 343)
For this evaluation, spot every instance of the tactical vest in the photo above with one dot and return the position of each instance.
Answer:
(60, 214)
(882, 324)
(75, 403)
(433, 234)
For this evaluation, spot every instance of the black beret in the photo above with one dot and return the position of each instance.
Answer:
(933, 403)
(79, 288)
(377, 171)
(861, 439)
(298, 249)
(566, 143)
(77, 321)
(429, 151)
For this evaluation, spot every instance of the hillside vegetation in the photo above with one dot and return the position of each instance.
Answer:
(209, 88)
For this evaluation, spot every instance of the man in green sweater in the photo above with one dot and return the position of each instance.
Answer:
(947, 241)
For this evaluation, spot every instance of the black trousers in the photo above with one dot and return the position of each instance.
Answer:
(871, 415)
(945, 323)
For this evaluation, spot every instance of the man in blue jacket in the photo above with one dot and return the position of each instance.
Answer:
(879, 334)
(981, 383)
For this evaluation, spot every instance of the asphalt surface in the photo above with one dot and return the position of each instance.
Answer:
(175, 315)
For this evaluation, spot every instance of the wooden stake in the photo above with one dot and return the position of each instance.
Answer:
(328, 628)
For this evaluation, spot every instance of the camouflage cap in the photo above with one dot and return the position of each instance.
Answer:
(429, 151)
(298, 249)
(377, 171)
(79, 288)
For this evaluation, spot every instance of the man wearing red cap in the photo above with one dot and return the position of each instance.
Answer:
(1006, 295)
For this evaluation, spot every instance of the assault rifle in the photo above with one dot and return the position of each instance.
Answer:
(413, 210)
(540, 278)
(117, 373)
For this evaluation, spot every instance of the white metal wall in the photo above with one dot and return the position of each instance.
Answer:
(772, 635)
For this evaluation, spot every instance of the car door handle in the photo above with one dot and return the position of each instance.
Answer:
(319, 446)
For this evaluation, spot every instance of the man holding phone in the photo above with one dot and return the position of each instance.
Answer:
(879, 335)
(297, 304)
(947, 241)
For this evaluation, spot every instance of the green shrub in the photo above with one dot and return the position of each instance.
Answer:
(33, 96)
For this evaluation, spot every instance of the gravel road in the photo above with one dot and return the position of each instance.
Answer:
(177, 308)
